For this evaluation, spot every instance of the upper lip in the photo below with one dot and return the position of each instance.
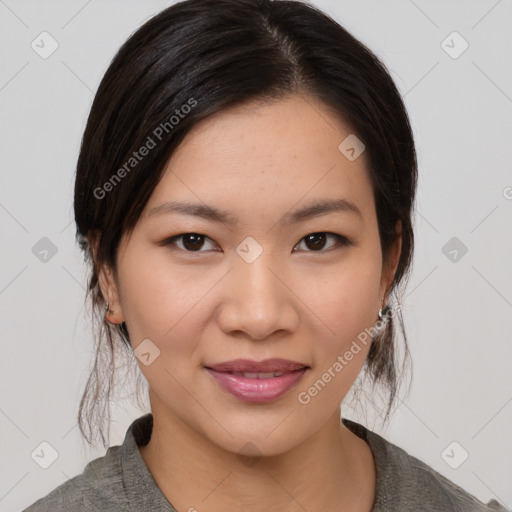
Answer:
(267, 365)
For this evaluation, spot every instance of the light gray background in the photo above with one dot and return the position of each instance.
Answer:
(457, 314)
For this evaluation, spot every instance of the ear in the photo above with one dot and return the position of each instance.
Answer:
(392, 263)
(107, 282)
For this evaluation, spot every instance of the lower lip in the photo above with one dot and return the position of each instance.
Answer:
(257, 390)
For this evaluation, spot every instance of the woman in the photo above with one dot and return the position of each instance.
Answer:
(244, 193)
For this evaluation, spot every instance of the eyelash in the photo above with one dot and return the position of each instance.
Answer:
(342, 241)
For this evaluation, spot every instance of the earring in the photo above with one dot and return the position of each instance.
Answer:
(383, 311)
(108, 311)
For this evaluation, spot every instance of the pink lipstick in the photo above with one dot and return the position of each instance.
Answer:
(257, 381)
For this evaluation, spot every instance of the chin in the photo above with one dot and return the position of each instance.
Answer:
(256, 444)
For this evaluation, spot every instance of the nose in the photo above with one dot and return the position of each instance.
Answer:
(258, 301)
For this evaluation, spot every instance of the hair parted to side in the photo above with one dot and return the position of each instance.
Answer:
(210, 55)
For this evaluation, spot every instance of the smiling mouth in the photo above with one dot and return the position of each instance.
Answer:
(265, 369)
(261, 375)
(257, 386)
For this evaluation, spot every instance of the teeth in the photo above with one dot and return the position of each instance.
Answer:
(259, 375)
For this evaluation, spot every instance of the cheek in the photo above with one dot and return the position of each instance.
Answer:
(163, 301)
(346, 299)
(162, 304)
(347, 302)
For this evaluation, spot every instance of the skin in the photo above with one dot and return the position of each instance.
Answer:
(259, 162)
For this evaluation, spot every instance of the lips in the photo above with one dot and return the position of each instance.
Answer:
(266, 366)
(258, 381)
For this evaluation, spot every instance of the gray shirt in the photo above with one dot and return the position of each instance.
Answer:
(120, 481)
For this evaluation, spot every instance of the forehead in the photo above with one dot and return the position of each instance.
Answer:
(266, 157)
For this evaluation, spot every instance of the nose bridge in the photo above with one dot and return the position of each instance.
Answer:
(257, 303)
(255, 282)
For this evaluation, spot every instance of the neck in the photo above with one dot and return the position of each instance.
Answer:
(333, 470)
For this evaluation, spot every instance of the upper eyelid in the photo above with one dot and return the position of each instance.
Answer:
(339, 238)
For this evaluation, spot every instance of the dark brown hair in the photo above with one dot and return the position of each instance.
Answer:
(210, 55)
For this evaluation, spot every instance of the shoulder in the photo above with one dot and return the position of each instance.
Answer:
(120, 480)
(100, 484)
(406, 483)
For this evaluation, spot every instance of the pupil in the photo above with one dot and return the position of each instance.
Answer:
(316, 240)
(192, 241)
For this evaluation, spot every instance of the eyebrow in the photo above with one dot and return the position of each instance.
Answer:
(216, 215)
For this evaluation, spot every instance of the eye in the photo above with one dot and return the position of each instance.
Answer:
(191, 242)
(317, 241)
(314, 242)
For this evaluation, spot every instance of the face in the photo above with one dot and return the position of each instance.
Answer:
(257, 280)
